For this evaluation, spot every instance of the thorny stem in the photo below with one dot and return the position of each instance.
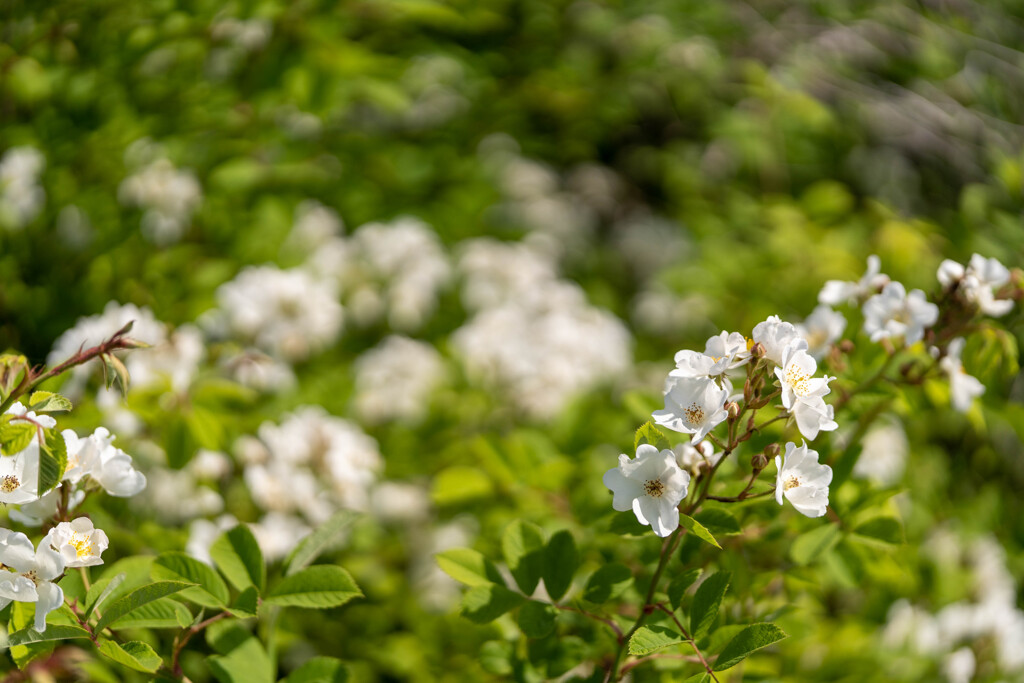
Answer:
(689, 639)
(35, 376)
(613, 673)
(182, 639)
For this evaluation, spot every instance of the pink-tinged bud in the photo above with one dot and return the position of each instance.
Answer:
(772, 450)
(759, 462)
(757, 350)
(748, 390)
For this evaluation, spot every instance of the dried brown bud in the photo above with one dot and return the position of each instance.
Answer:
(759, 462)
(772, 450)
(757, 350)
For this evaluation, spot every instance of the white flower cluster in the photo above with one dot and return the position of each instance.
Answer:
(21, 197)
(890, 312)
(32, 571)
(289, 314)
(536, 338)
(167, 195)
(395, 379)
(991, 618)
(305, 468)
(392, 271)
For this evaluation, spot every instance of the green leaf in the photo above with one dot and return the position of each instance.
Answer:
(647, 639)
(650, 434)
(718, 521)
(237, 554)
(53, 460)
(162, 613)
(209, 591)
(678, 585)
(137, 598)
(319, 586)
(460, 484)
(706, 602)
(496, 657)
(319, 670)
(133, 654)
(22, 618)
(626, 524)
(523, 548)
(485, 603)
(311, 547)
(608, 582)
(750, 639)
(698, 678)
(101, 590)
(52, 632)
(885, 529)
(697, 529)
(807, 547)
(48, 402)
(15, 436)
(560, 563)
(467, 566)
(242, 658)
(247, 603)
(537, 619)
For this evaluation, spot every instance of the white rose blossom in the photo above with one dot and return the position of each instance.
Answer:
(690, 456)
(33, 575)
(802, 480)
(895, 313)
(692, 406)
(774, 335)
(963, 387)
(78, 542)
(978, 282)
(110, 467)
(822, 328)
(651, 485)
(802, 393)
(836, 292)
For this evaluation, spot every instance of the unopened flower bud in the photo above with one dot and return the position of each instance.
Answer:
(759, 462)
(748, 390)
(772, 450)
(757, 350)
(733, 409)
(846, 346)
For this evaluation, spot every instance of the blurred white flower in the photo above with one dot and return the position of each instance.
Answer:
(394, 380)
(245, 34)
(959, 666)
(315, 225)
(287, 313)
(822, 328)
(254, 369)
(21, 197)
(978, 282)
(202, 533)
(278, 534)
(651, 485)
(36, 512)
(802, 480)
(836, 292)
(400, 503)
(774, 335)
(895, 313)
(541, 343)
(963, 387)
(167, 195)
(692, 457)
(78, 542)
(692, 406)
(33, 575)
(883, 454)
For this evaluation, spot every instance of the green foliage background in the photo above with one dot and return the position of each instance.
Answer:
(785, 141)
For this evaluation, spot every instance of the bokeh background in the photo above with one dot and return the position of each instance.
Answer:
(429, 261)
